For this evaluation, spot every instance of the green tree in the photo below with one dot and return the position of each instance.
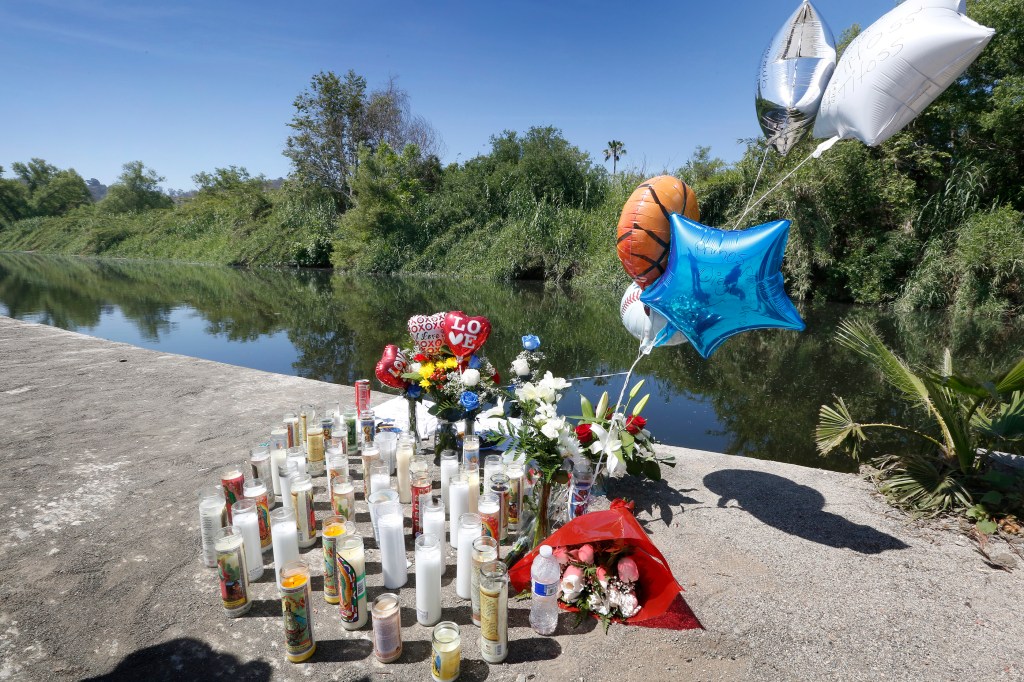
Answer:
(614, 151)
(701, 166)
(65, 190)
(13, 200)
(136, 190)
(35, 174)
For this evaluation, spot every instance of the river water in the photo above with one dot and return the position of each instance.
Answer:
(758, 396)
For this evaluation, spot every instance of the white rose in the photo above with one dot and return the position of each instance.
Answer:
(415, 367)
(572, 587)
(521, 367)
(471, 377)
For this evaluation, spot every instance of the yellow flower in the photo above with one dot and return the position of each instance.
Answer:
(424, 384)
(451, 363)
(426, 370)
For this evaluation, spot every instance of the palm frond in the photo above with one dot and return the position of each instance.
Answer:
(1012, 380)
(862, 338)
(835, 427)
(920, 484)
(1006, 423)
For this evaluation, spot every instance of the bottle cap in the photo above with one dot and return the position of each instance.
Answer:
(545, 550)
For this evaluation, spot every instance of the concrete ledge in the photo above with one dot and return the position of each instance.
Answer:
(796, 573)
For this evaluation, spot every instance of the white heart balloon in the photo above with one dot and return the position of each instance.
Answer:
(426, 332)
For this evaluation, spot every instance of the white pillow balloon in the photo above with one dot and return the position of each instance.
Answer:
(896, 68)
(641, 325)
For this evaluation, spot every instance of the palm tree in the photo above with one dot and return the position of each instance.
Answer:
(615, 151)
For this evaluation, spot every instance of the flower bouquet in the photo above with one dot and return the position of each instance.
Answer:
(611, 570)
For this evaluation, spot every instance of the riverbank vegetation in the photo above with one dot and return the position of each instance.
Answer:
(932, 218)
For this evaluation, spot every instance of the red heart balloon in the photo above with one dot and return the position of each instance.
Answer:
(391, 366)
(464, 334)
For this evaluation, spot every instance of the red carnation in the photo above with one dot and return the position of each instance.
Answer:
(635, 424)
(584, 434)
(419, 357)
(496, 378)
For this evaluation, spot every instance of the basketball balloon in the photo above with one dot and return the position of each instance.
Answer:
(644, 232)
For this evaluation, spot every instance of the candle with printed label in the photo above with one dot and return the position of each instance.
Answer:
(485, 550)
(305, 514)
(232, 571)
(493, 612)
(333, 531)
(352, 582)
(256, 490)
(403, 458)
(387, 628)
(446, 652)
(297, 611)
(232, 480)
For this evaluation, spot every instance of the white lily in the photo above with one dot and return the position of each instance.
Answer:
(553, 383)
(607, 442)
(553, 427)
(496, 411)
(529, 392)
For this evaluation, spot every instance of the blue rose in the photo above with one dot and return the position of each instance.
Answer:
(470, 401)
(474, 362)
(413, 391)
(531, 342)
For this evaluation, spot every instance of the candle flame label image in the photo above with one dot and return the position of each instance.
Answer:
(232, 569)
(349, 585)
(298, 626)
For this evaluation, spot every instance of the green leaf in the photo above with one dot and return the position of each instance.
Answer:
(992, 498)
(1013, 380)
(586, 408)
(988, 526)
(636, 389)
(626, 438)
(863, 339)
(602, 406)
(641, 405)
(652, 470)
(835, 427)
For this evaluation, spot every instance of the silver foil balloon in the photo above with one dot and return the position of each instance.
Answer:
(795, 69)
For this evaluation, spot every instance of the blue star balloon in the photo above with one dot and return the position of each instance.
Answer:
(721, 282)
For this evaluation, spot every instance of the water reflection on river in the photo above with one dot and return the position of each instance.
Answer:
(757, 396)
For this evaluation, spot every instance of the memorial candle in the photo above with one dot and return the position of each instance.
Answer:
(334, 529)
(473, 478)
(285, 537)
(469, 530)
(458, 504)
(490, 516)
(305, 515)
(432, 511)
(500, 487)
(232, 571)
(403, 458)
(367, 428)
(516, 473)
(259, 463)
(380, 503)
(387, 628)
(370, 456)
(492, 465)
(485, 550)
(387, 443)
(307, 413)
(212, 517)
(471, 449)
(380, 478)
(256, 490)
(298, 457)
(339, 434)
(446, 652)
(245, 519)
(337, 465)
(315, 449)
(351, 429)
(297, 611)
(278, 456)
(231, 481)
(420, 488)
(352, 582)
(343, 498)
(392, 550)
(287, 470)
(291, 424)
(428, 579)
(493, 612)
(449, 467)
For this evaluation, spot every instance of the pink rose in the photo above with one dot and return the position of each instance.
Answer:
(602, 576)
(586, 554)
(562, 555)
(628, 572)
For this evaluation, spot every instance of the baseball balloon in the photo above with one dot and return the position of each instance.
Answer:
(643, 323)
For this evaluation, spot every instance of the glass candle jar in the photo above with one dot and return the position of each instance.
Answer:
(472, 470)
(492, 465)
(428, 579)
(579, 495)
(343, 498)
(449, 468)
(420, 489)
(337, 465)
(392, 545)
(367, 427)
(246, 520)
(370, 456)
(432, 512)
(380, 477)
(334, 528)
(380, 503)
(493, 612)
(469, 530)
(403, 459)
(256, 490)
(291, 425)
(297, 612)
(285, 538)
(305, 515)
(278, 456)
(387, 628)
(485, 550)
(232, 479)
(352, 581)
(351, 429)
(387, 443)
(287, 470)
(212, 517)
(446, 652)
(458, 504)
(307, 415)
(500, 486)
(315, 449)
(516, 473)
(471, 449)
(232, 571)
(259, 463)
(490, 515)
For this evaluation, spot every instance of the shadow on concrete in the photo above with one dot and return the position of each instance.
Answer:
(185, 659)
(648, 495)
(795, 509)
(342, 650)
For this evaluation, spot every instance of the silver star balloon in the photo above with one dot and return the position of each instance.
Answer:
(795, 69)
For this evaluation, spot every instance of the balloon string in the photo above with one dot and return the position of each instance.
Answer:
(615, 412)
(598, 376)
(775, 187)
(764, 157)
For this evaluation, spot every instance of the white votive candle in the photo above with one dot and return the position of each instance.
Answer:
(380, 478)
(285, 538)
(380, 503)
(403, 458)
(458, 504)
(278, 456)
(392, 550)
(428, 579)
(492, 465)
(449, 467)
(244, 517)
(473, 478)
(432, 515)
(469, 530)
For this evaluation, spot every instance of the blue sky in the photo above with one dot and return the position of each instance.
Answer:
(190, 86)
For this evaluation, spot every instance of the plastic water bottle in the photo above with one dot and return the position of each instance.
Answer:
(546, 576)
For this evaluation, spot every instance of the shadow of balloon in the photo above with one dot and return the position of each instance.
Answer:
(795, 509)
(185, 659)
(648, 495)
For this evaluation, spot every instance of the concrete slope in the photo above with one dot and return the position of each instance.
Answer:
(795, 573)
